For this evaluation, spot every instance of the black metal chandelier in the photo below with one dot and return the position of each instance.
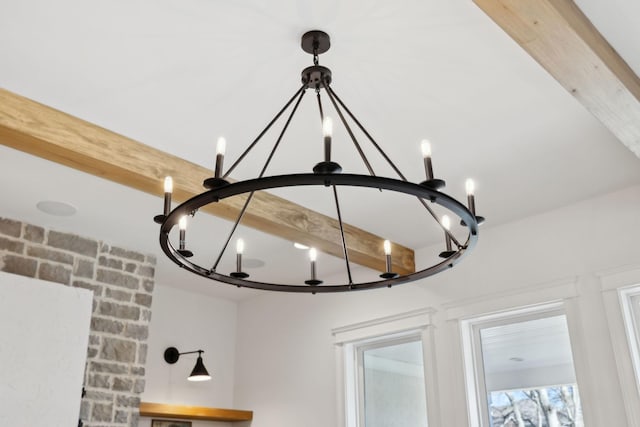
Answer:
(326, 173)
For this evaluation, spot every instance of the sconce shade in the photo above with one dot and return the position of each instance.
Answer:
(199, 372)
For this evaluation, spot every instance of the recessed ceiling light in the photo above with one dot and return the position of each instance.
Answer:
(55, 208)
(253, 263)
(300, 246)
(516, 359)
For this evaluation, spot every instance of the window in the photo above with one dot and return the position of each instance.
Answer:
(391, 387)
(386, 371)
(523, 370)
(630, 298)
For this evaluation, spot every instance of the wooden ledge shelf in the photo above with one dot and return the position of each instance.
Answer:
(162, 410)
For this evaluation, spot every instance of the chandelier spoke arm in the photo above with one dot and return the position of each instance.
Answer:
(282, 132)
(346, 125)
(333, 95)
(255, 141)
(433, 214)
(344, 241)
(233, 230)
(320, 107)
(299, 94)
(362, 128)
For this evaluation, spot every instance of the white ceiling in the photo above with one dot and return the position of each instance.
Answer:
(532, 344)
(176, 75)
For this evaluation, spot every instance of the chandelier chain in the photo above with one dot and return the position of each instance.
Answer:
(315, 52)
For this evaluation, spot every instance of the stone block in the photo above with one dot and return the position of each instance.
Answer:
(9, 227)
(127, 401)
(143, 299)
(124, 253)
(111, 368)
(92, 352)
(99, 381)
(54, 273)
(138, 386)
(148, 285)
(84, 268)
(119, 311)
(118, 350)
(110, 262)
(146, 271)
(94, 340)
(49, 254)
(99, 324)
(118, 295)
(122, 384)
(102, 412)
(73, 243)
(99, 396)
(137, 370)
(19, 265)
(117, 278)
(138, 332)
(146, 315)
(151, 260)
(121, 417)
(97, 289)
(11, 245)
(33, 233)
(142, 354)
(130, 267)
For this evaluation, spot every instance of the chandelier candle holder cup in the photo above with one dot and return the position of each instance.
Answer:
(326, 173)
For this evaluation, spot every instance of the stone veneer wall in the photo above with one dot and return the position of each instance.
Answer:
(122, 282)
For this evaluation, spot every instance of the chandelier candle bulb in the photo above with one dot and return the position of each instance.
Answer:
(387, 254)
(471, 200)
(327, 131)
(168, 189)
(446, 223)
(183, 231)
(239, 251)
(313, 255)
(222, 145)
(426, 155)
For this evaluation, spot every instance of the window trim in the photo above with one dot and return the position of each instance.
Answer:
(384, 341)
(476, 389)
(617, 285)
(416, 322)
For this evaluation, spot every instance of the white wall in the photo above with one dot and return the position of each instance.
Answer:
(44, 330)
(286, 364)
(190, 321)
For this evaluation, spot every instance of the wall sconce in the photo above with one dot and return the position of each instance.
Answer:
(199, 372)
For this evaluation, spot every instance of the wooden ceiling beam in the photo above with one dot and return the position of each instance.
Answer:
(53, 135)
(562, 39)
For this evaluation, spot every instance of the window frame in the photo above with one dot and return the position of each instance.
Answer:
(412, 323)
(476, 389)
(359, 348)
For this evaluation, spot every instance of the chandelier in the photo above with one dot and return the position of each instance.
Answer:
(326, 173)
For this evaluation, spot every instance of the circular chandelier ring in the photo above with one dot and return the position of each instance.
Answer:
(214, 195)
